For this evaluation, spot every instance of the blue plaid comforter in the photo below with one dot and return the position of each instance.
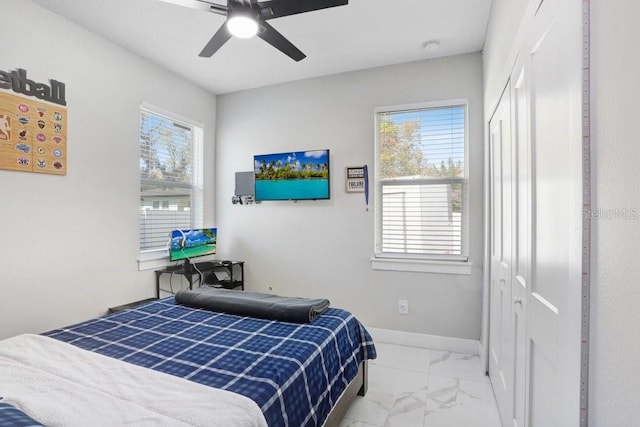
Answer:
(294, 372)
(10, 416)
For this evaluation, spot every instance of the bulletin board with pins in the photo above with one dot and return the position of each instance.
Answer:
(33, 135)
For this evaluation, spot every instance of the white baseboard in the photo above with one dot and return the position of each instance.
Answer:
(434, 342)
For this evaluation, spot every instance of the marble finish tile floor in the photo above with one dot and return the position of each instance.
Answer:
(417, 387)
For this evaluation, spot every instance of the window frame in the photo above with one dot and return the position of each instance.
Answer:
(159, 256)
(433, 263)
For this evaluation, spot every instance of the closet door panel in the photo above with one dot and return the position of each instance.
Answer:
(555, 72)
(501, 332)
(522, 242)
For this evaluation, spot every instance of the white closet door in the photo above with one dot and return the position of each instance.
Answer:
(554, 64)
(535, 201)
(511, 213)
(500, 332)
(510, 254)
(522, 243)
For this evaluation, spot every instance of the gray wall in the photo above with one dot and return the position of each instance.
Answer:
(323, 248)
(614, 383)
(70, 244)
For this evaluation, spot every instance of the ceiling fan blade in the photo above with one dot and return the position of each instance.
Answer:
(278, 8)
(219, 38)
(203, 5)
(277, 40)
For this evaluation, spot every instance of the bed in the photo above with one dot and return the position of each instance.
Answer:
(296, 374)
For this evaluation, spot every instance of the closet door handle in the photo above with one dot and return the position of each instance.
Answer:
(517, 300)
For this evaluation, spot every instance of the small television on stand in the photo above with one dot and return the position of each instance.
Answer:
(192, 243)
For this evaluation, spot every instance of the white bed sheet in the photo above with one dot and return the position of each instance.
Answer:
(59, 384)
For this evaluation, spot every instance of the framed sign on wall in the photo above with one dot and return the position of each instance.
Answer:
(355, 178)
(33, 134)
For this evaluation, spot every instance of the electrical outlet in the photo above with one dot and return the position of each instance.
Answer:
(403, 306)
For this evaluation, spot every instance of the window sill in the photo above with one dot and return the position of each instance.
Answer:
(152, 260)
(422, 266)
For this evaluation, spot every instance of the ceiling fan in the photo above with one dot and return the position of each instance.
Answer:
(247, 18)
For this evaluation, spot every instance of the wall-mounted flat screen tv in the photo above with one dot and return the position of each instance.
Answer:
(297, 175)
(187, 244)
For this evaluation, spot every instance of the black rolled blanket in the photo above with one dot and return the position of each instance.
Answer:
(253, 304)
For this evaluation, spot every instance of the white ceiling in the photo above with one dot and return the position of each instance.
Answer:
(363, 34)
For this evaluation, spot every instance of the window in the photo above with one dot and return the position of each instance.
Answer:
(421, 182)
(171, 177)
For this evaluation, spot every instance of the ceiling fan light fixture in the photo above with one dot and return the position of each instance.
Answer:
(248, 18)
(242, 26)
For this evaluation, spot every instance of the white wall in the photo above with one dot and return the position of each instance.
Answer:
(323, 248)
(69, 244)
(614, 384)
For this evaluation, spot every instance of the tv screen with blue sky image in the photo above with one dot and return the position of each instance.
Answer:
(297, 175)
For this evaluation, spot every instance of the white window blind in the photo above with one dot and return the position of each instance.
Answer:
(171, 177)
(421, 182)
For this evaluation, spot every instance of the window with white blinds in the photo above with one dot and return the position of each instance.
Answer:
(171, 177)
(421, 182)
